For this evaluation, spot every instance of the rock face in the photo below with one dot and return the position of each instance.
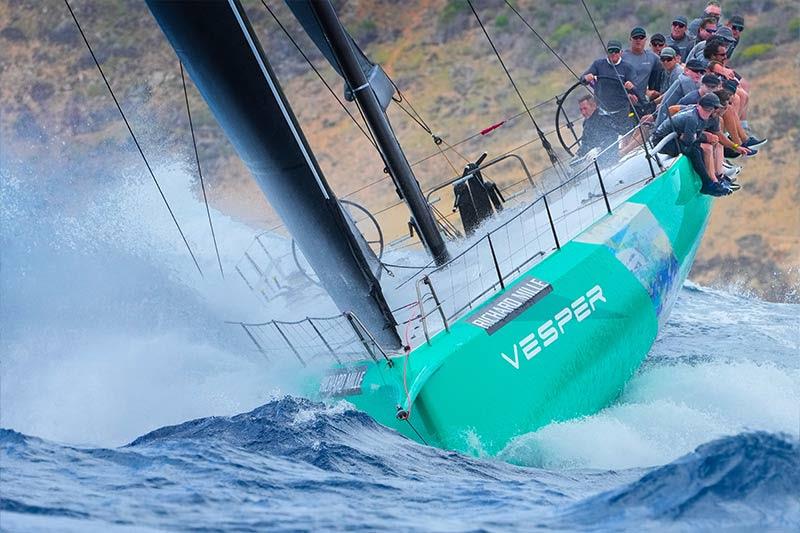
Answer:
(55, 106)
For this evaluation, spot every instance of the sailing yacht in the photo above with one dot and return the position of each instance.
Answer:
(539, 309)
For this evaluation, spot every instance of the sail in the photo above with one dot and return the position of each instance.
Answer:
(379, 82)
(224, 58)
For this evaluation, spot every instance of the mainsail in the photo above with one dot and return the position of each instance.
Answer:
(221, 52)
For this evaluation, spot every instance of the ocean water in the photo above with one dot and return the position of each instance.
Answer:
(128, 404)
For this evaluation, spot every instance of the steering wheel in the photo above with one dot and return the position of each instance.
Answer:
(561, 116)
(377, 244)
(561, 112)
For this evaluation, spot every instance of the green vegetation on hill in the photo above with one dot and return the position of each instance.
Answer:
(53, 102)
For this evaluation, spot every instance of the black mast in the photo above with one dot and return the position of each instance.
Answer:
(393, 155)
(221, 52)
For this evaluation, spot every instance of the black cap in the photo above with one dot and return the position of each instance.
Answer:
(658, 38)
(696, 65)
(638, 31)
(730, 85)
(613, 45)
(737, 20)
(683, 20)
(711, 80)
(726, 33)
(709, 101)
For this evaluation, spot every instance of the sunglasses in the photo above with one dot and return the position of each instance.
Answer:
(638, 37)
(698, 71)
(667, 59)
(614, 50)
(737, 27)
(710, 30)
(657, 43)
(679, 24)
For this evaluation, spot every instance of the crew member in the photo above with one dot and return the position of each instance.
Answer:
(647, 70)
(690, 125)
(614, 89)
(678, 39)
(686, 83)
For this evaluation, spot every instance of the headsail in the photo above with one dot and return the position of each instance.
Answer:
(221, 52)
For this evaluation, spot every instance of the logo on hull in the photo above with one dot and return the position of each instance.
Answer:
(551, 330)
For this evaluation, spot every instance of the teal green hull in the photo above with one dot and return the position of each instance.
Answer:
(569, 354)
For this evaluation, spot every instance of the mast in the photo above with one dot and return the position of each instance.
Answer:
(393, 155)
(224, 58)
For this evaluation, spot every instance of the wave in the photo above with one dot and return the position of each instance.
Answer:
(747, 480)
(293, 458)
(666, 411)
(327, 437)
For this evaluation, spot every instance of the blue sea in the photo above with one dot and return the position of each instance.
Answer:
(129, 405)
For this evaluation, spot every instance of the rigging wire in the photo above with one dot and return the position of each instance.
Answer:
(413, 114)
(437, 141)
(319, 75)
(199, 169)
(545, 143)
(635, 113)
(541, 39)
(135, 141)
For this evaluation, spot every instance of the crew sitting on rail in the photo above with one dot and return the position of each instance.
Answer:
(672, 69)
(729, 121)
(715, 53)
(678, 39)
(708, 84)
(686, 83)
(712, 11)
(715, 141)
(736, 24)
(690, 125)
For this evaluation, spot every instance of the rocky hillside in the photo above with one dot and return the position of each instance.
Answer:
(59, 123)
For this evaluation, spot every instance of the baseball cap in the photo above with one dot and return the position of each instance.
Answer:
(613, 45)
(638, 31)
(658, 38)
(726, 33)
(683, 20)
(667, 52)
(710, 80)
(695, 65)
(730, 85)
(709, 101)
(737, 20)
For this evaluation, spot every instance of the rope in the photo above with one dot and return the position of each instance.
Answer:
(199, 170)
(135, 141)
(545, 143)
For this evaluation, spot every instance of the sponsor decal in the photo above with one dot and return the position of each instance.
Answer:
(639, 242)
(552, 330)
(511, 304)
(343, 382)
